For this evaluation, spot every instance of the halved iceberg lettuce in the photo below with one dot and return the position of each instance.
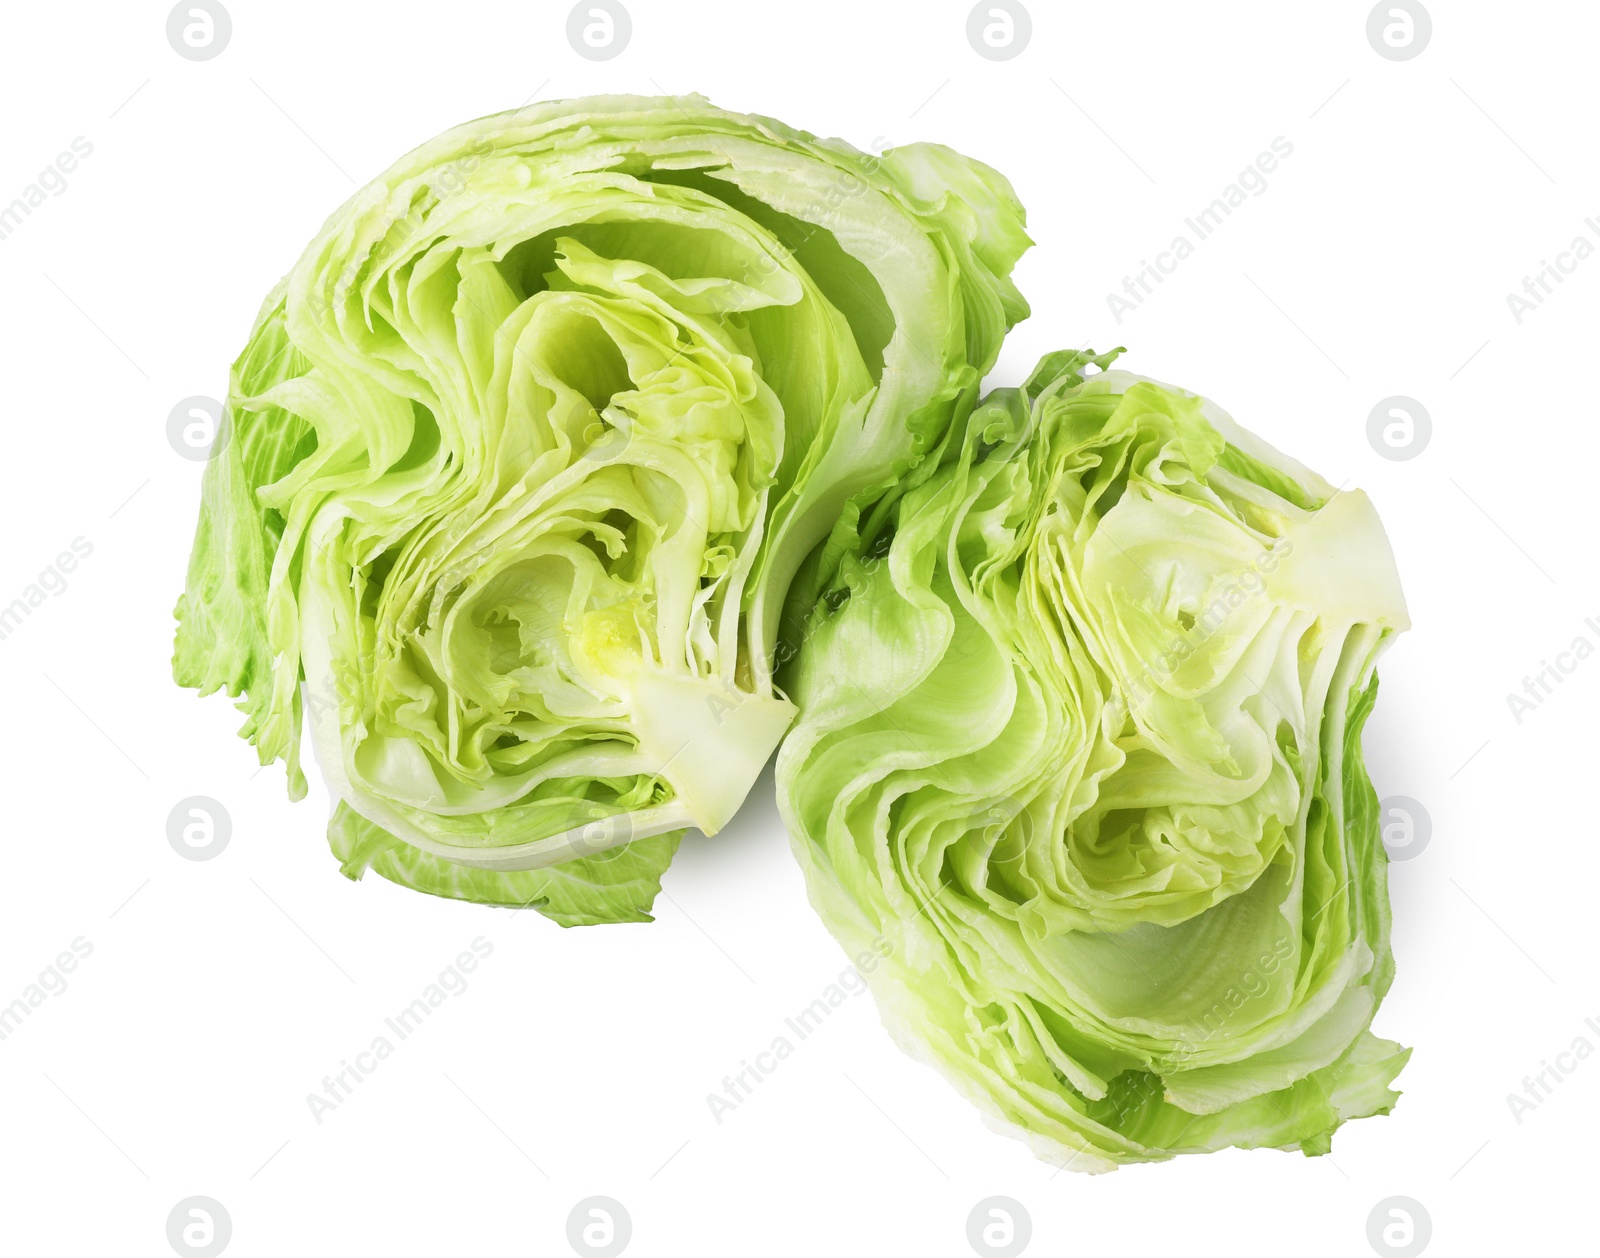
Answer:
(524, 454)
(1080, 744)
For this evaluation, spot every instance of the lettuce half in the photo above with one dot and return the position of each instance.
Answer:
(1080, 741)
(523, 456)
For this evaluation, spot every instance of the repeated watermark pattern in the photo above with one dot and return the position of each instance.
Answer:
(999, 1227)
(1227, 595)
(197, 428)
(599, 30)
(1542, 284)
(340, 1085)
(1399, 428)
(199, 30)
(52, 181)
(1404, 826)
(1399, 1227)
(1399, 30)
(443, 184)
(999, 30)
(1250, 985)
(52, 582)
(198, 828)
(599, 1227)
(199, 1227)
(1541, 686)
(740, 1085)
(52, 981)
(1542, 1085)
(1252, 181)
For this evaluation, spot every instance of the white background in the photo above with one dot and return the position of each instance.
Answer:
(1377, 262)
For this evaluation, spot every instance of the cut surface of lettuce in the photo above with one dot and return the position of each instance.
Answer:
(1080, 740)
(525, 453)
